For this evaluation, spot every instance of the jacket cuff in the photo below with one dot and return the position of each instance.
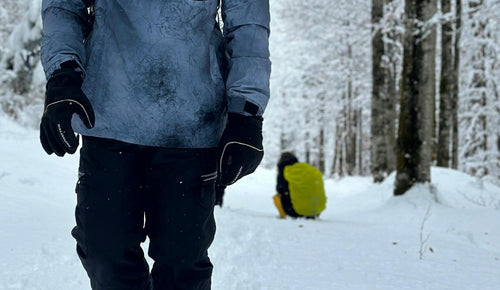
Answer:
(243, 107)
(59, 63)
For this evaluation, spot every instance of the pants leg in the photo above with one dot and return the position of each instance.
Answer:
(179, 217)
(110, 215)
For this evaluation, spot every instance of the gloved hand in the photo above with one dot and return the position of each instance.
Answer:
(63, 98)
(240, 148)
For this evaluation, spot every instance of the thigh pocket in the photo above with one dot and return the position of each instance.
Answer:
(83, 178)
(207, 192)
(83, 184)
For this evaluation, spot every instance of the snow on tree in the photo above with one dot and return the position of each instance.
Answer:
(479, 109)
(387, 32)
(320, 55)
(21, 74)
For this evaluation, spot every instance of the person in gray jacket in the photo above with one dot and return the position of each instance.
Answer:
(167, 107)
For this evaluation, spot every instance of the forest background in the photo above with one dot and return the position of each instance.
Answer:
(357, 88)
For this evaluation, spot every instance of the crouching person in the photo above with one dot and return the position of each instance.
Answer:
(300, 189)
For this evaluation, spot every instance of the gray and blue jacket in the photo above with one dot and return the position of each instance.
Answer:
(151, 68)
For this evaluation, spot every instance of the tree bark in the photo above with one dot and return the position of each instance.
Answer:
(446, 88)
(350, 138)
(352, 142)
(335, 152)
(418, 90)
(393, 54)
(321, 153)
(379, 95)
(360, 142)
(456, 85)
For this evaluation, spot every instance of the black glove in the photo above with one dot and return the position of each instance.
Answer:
(63, 98)
(240, 148)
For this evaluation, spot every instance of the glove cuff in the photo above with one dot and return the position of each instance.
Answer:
(66, 76)
(238, 121)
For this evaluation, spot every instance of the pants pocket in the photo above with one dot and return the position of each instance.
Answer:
(78, 231)
(207, 194)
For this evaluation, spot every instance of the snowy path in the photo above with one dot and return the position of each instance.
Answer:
(355, 246)
(366, 239)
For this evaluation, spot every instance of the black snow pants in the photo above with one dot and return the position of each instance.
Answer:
(126, 192)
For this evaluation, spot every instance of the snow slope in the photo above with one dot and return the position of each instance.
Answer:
(444, 236)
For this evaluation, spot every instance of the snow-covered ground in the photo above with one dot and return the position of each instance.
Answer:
(444, 236)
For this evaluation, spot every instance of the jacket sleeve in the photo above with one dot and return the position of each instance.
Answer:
(63, 23)
(246, 30)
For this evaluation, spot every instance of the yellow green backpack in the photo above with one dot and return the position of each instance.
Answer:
(305, 184)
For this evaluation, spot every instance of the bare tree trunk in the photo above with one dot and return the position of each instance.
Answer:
(321, 137)
(384, 74)
(336, 151)
(321, 152)
(393, 52)
(446, 88)
(456, 86)
(418, 91)
(360, 142)
(390, 119)
(378, 141)
(340, 153)
(352, 143)
(350, 139)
